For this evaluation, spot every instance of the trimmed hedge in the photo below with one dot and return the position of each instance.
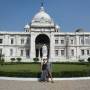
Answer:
(54, 74)
(20, 74)
(75, 63)
(70, 63)
(16, 63)
(71, 74)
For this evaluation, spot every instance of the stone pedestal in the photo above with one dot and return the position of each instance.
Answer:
(44, 52)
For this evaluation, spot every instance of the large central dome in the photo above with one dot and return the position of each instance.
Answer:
(42, 16)
(42, 22)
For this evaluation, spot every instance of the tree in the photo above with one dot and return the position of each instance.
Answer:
(88, 59)
(12, 59)
(35, 59)
(19, 59)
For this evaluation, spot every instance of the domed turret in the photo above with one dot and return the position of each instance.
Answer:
(27, 27)
(57, 28)
(79, 30)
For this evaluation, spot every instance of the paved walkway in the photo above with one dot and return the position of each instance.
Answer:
(35, 85)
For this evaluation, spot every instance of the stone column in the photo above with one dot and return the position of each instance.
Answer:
(77, 47)
(67, 47)
(32, 46)
(6, 49)
(52, 45)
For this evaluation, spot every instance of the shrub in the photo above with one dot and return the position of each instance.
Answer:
(88, 59)
(81, 60)
(35, 59)
(0, 56)
(2, 59)
(12, 59)
(19, 59)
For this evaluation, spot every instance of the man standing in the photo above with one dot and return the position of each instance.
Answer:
(49, 71)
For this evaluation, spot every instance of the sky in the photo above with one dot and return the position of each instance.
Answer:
(68, 14)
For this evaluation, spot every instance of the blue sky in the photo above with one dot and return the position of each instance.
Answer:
(69, 14)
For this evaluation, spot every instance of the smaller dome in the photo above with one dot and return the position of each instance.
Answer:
(57, 27)
(80, 30)
(27, 26)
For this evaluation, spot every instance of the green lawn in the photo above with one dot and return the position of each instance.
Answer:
(33, 70)
(36, 67)
(21, 67)
(70, 67)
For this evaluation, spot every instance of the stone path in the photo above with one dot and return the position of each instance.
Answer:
(35, 85)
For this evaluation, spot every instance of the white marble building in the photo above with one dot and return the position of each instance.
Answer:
(62, 46)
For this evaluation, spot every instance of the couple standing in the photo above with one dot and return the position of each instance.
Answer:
(46, 71)
(45, 66)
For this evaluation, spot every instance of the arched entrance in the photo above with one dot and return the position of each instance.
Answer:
(39, 42)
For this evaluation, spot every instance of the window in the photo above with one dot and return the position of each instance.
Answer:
(62, 52)
(88, 52)
(56, 52)
(82, 52)
(11, 52)
(28, 41)
(56, 41)
(62, 41)
(1, 41)
(72, 52)
(87, 41)
(12, 40)
(22, 41)
(0, 51)
(27, 53)
(21, 52)
(72, 41)
(82, 41)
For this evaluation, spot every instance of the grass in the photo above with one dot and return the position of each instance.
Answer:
(69, 67)
(36, 67)
(33, 70)
(20, 67)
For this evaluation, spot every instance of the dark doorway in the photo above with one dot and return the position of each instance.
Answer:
(39, 42)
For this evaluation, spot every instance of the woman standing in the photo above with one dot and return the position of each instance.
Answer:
(44, 70)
